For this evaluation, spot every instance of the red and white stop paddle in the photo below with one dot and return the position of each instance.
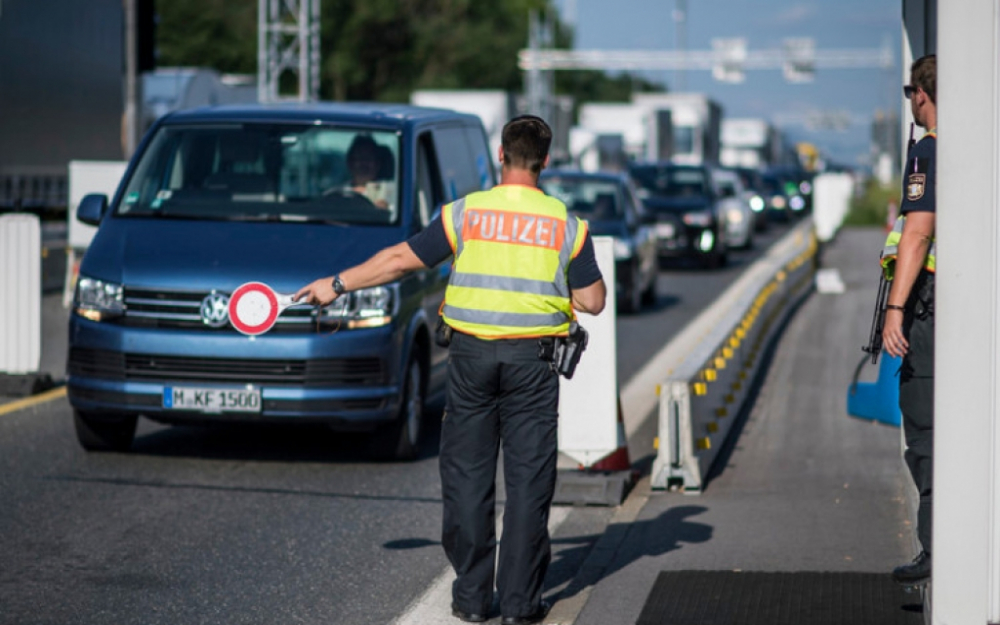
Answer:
(254, 307)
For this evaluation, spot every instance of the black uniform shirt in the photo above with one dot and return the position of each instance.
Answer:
(920, 176)
(431, 247)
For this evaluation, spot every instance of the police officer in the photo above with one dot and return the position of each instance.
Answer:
(522, 265)
(908, 260)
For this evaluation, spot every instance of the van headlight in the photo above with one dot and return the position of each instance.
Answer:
(756, 203)
(365, 308)
(623, 249)
(98, 300)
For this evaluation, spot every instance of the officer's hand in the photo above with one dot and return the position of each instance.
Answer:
(318, 292)
(892, 334)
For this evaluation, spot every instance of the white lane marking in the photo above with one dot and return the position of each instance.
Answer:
(434, 606)
(829, 281)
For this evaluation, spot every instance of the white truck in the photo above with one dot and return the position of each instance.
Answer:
(494, 107)
(749, 142)
(695, 126)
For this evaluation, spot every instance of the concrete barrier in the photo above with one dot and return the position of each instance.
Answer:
(720, 355)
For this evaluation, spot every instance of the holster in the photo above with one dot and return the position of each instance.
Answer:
(922, 296)
(442, 333)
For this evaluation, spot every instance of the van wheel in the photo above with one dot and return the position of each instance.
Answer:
(400, 440)
(96, 434)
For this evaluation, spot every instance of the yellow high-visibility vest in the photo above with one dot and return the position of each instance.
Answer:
(512, 247)
(891, 248)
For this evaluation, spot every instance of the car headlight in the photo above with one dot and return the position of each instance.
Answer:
(703, 218)
(756, 203)
(98, 300)
(623, 249)
(364, 308)
(805, 187)
(796, 203)
(778, 201)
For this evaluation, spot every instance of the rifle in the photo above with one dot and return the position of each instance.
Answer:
(874, 346)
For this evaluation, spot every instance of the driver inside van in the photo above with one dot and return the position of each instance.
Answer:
(365, 164)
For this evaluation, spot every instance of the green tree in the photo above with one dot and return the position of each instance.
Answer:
(220, 34)
(870, 208)
(382, 50)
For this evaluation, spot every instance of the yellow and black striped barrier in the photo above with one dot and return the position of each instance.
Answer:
(700, 398)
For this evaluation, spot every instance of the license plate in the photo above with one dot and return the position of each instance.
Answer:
(211, 399)
(665, 231)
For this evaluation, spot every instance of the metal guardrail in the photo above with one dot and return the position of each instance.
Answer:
(702, 396)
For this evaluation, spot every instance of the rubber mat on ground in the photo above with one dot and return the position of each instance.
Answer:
(757, 598)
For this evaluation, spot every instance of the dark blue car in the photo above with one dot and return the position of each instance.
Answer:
(689, 223)
(218, 197)
(609, 203)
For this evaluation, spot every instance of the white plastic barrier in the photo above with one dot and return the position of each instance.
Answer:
(588, 403)
(704, 393)
(831, 201)
(85, 177)
(21, 289)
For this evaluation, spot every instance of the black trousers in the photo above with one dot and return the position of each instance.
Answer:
(498, 391)
(916, 398)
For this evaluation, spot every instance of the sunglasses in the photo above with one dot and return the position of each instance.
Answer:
(908, 91)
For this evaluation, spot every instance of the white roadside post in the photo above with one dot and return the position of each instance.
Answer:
(21, 304)
(831, 200)
(588, 403)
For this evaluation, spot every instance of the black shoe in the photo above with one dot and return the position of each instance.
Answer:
(915, 573)
(539, 614)
(468, 617)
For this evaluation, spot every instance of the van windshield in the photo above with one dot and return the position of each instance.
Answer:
(267, 172)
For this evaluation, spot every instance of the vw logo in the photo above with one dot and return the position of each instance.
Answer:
(215, 309)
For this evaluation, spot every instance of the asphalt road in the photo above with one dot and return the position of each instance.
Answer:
(253, 525)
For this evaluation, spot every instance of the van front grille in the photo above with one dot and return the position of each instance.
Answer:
(145, 308)
(334, 372)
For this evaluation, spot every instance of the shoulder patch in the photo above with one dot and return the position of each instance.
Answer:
(915, 185)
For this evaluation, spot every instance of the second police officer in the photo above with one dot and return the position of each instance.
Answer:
(908, 261)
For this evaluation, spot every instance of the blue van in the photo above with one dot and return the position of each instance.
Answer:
(218, 197)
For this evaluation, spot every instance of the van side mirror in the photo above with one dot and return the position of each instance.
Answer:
(92, 208)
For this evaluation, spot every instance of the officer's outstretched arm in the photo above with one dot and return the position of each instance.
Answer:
(390, 264)
(590, 299)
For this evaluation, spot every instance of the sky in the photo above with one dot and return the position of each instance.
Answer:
(765, 24)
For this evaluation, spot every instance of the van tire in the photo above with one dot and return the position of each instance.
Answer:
(96, 434)
(400, 440)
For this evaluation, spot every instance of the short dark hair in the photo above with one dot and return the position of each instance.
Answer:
(361, 142)
(923, 74)
(526, 140)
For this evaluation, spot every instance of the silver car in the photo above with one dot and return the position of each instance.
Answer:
(734, 208)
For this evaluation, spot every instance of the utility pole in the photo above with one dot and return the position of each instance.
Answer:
(539, 85)
(680, 23)
(130, 125)
(287, 41)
